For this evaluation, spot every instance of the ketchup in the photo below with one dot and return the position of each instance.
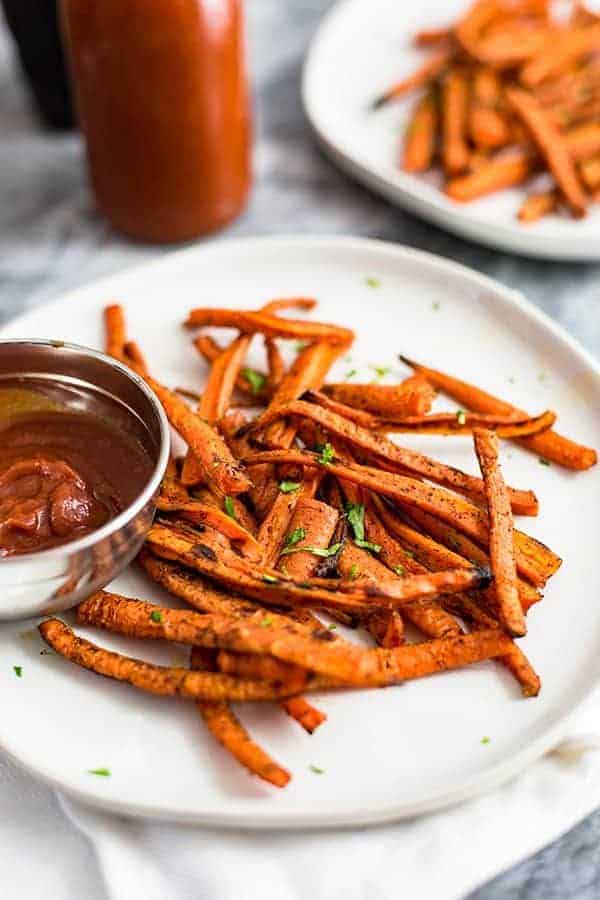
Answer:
(162, 98)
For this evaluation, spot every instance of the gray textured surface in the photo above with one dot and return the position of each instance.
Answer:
(52, 240)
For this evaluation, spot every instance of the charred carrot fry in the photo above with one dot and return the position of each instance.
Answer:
(536, 206)
(162, 680)
(429, 71)
(561, 55)
(412, 397)
(551, 145)
(420, 140)
(312, 525)
(279, 589)
(549, 444)
(268, 324)
(307, 715)
(524, 502)
(115, 330)
(454, 108)
(488, 126)
(201, 514)
(275, 362)
(331, 657)
(501, 533)
(226, 728)
(505, 171)
(535, 561)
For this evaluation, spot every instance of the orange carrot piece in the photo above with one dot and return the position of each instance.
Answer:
(412, 397)
(307, 715)
(561, 55)
(426, 73)
(536, 206)
(590, 172)
(312, 524)
(501, 533)
(429, 37)
(115, 330)
(454, 109)
(549, 445)
(551, 145)
(226, 728)
(499, 173)
(421, 135)
(271, 325)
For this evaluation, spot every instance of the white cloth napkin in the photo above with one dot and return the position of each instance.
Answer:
(442, 856)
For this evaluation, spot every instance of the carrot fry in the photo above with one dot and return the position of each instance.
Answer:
(535, 561)
(429, 37)
(307, 715)
(524, 502)
(455, 104)
(501, 533)
(551, 145)
(337, 594)
(115, 330)
(549, 445)
(162, 680)
(434, 66)
(412, 397)
(536, 206)
(226, 728)
(561, 55)
(134, 356)
(506, 171)
(331, 656)
(590, 172)
(271, 325)
(420, 141)
(275, 362)
(312, 525)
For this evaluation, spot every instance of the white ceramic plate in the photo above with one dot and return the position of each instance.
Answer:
(361, 48)
(385, 754)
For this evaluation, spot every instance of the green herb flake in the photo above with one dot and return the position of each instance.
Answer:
(266, 622)
(355, 514)
(399, 570)
(104, 773)
(316, 769)
(18, 670)
(289, 487)
(486, 740)
(270, 579)
(353, 572)
(350, 373)
(544, 461)
(325, 552)
(410, 554)
(156, 616)
(230, 507)
(461, 417)
(381, 371)
(298, 534)
(541, 376)
(372, 282)
(326, 454)
(332, 626)
(368, 545)
(299, 346)
(255, 379)
(436, 305)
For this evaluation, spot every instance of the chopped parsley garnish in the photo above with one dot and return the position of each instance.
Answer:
(288, 487)
(255, 379)
(436, 305)
(18, 670)
(368, 545)
(372, 282)
(350, 373)
(316, 769)
(156, 616)
(325, 552)
(332, 626)
(544, 461)
(270, 579)
(399, 570)
(486, 740)
(229, 507)
(381, 371)
(266, 622)
(542, 376)
(299, 346)
(461, 417)
(410, 554)
(353, 572)
(355, 514)
(104, 773)
(326, 454)
(298, 534)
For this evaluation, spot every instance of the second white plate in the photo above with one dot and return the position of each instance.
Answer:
(361, 48)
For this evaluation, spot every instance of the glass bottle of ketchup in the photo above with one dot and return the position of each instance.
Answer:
(162, 98)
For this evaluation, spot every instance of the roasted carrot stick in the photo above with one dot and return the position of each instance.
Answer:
(420, 139)
(454, 108)
(536, 206)
(412, 397)
(429, 37)
(551, 145)
(499, 173)
(590, 172)
(115, 330)
(271, 325)
(501, 533)
(312, 525)
(488, 127)
(275, 362)
(422, 76)
(549, 445)
(561, 55)
(226, 728)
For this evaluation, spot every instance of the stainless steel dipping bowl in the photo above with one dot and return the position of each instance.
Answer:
(56, 579)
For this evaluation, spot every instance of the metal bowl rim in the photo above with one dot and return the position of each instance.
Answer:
(147, 493)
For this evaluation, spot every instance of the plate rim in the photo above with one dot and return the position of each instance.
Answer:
(262, 818)
(405, 193)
